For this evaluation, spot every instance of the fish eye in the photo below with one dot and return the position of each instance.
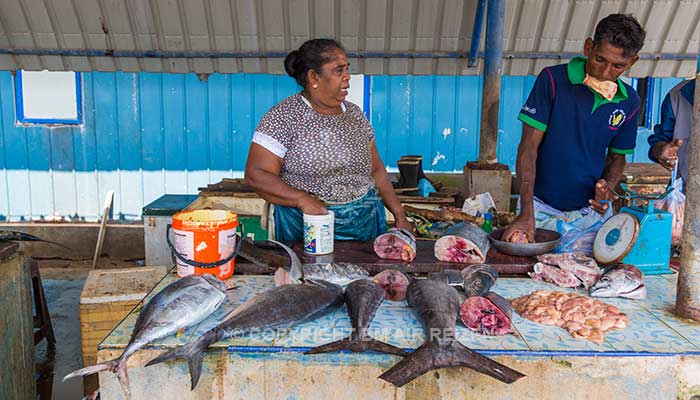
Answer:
(604, 279)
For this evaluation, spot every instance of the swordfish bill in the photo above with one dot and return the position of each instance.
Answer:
(437, 305)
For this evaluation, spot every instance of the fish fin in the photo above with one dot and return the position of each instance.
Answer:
(123, 377)
(431, 356)
(282, 278)
(381, 347)
(193, 352)
(343, 344)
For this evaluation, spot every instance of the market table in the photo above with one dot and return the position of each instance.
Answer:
(656, 356)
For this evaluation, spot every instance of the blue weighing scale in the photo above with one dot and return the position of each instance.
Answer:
(640, 236)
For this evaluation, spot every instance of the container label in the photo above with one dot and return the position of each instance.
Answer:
(318, 237)
(184, 244)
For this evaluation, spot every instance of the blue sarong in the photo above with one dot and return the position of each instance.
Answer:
(362, 219)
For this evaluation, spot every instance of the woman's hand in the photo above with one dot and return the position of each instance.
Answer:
(311, 206)
(402, 222)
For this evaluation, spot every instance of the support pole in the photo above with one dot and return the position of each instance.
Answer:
(493, 66)
(688, 290)
(476, 34)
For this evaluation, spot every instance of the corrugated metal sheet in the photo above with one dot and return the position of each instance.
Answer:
(147, 134)
(375, 26)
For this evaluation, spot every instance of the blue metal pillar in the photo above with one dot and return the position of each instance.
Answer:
(688, 290)
(493, 67)
(476, 33)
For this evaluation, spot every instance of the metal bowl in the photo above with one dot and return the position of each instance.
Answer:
(545, 241)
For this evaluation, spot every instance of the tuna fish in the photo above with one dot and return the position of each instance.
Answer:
(437, 305)
(621, 280)
(179, 305)
(396, 244)
(474, 280)
(278, 308)
(463, 243)
(487, 315)
(394, 284)
(362, 298)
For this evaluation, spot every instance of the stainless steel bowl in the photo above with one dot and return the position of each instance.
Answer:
(545, 241)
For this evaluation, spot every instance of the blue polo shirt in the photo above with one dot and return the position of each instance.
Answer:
(580, 127)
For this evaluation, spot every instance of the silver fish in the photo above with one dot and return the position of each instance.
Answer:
(621, 280)
(437, 305)
(279, 307)
(363, 298)
(339, 273)
(179, 305)
(474, 280)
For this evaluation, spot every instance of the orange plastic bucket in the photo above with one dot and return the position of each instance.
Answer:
(204, 242)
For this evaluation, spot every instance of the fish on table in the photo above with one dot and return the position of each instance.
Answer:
(278, 308)
(436, 304)
(463, 243)
(363, 298)
(621, 280)
(181, 304)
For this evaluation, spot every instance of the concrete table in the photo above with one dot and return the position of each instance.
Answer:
(657, 356)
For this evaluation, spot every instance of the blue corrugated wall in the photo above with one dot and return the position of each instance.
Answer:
(148, 134)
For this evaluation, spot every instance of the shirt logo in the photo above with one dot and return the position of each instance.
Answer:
(617, 118)
(532, 110)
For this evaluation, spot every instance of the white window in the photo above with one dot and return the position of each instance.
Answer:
(47, 97)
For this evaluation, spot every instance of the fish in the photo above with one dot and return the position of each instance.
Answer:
(363, 298)
(178, 306)
(479, 279)
(463, 243)
(16, 236)
(549, 273)
(621, 280)
(257, 253)
(396, 244)
(338, 273)
(278, 308)
(394, 284)
(487, 315)
(437, 306)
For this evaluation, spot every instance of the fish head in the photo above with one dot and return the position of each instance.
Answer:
(478, 279)
(617, 280)
(216, 282)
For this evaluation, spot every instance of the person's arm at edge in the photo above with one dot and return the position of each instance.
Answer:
(386, 191)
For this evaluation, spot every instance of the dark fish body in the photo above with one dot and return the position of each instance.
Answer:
(279, 307)
(437, 305)
(621, 280)
(179, 305)
(479, 279)
(463, 243)
(363, 298)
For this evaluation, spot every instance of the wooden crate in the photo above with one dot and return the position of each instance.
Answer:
(107, 297)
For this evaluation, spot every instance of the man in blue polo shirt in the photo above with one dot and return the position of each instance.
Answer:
(579, 122)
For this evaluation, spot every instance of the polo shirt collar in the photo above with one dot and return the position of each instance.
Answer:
(576, 71)
(688, 91)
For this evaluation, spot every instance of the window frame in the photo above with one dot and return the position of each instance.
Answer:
(19, 105)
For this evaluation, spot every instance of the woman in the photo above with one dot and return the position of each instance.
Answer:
(315, 152)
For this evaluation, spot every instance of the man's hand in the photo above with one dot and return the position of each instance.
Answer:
(667, 153)
(521, 225)
(602, 192)
(312, 206)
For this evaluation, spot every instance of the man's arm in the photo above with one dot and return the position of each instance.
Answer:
(614, 167)
(526, 171)
(663, 148)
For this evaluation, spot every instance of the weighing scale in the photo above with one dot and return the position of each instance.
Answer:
(640, 236)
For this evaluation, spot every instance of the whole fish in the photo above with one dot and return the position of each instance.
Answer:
(437, 306)
(279, 307)
(363, 298)
(179, 305)
(463, 243)
(621, 280)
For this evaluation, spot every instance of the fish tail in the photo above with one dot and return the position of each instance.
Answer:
(110, 365)
(338, 345)
(431, 356)
(193, 352)
(381, 347)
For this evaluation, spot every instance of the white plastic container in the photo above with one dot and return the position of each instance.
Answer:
(318, 233)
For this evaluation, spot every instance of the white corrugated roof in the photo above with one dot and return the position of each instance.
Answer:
(271, 28)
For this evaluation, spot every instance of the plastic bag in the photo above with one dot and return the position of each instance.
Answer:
(578, 236)
(675, 204)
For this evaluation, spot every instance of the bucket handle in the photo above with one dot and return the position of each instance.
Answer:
(194, 263)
